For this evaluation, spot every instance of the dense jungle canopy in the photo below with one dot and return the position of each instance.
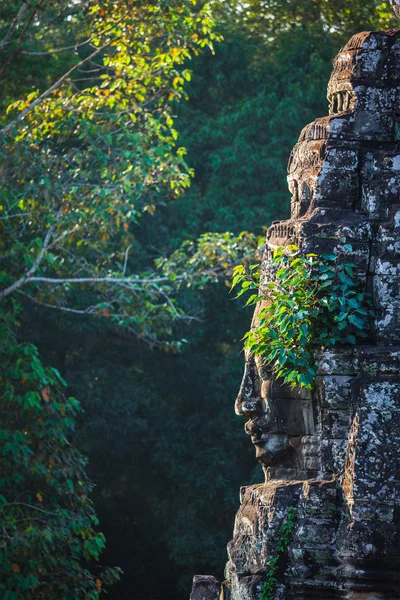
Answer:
(143, 151)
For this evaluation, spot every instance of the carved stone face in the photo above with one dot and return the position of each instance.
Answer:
(332, 174)
(344, 175)
(278, 420)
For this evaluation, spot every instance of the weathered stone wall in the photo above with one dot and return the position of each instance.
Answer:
(346, 538)
(333, 455)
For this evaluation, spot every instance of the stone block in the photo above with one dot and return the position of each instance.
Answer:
(320, 557)
(358, 545)
(386, 291)
(336, 423)
(339, 159)
(338, 188)
(384, 265)
(358, 255)
(380, 162)
(363, 125)
(380, 193)
(387, 325)
(355, 230)
(336, 362)
(286, 392)
(375, 361)
(296, 416)
(382, 395)
(383, 510)
(375, 99)
(372, 64)
(333, 455)
(205, 587)
(335, 392)
(250, 587)
(387, 237)
(319, 501)
(310, 531)
(395, 61)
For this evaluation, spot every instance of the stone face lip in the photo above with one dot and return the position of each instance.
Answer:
(205, 587)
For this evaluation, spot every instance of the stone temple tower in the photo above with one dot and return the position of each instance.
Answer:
(333, 454)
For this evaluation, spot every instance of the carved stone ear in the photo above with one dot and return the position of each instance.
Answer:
(396, 7)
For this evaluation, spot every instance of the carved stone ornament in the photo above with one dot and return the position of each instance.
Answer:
(333, 454)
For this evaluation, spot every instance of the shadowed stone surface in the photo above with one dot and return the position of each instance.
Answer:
(334, 454)
(205, 587)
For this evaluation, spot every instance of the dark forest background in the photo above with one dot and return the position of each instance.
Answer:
(166, 452)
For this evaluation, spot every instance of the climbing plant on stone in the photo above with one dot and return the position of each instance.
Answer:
(285, 537)
(313, 302)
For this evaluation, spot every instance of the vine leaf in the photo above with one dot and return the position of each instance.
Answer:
(314, 302)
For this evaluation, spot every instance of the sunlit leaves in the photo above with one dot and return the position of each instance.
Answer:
(209, 258)
(96, 154)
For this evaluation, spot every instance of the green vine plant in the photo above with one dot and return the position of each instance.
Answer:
(314, 302)
(284, 539)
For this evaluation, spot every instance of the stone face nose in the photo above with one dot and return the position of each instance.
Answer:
(247, 407)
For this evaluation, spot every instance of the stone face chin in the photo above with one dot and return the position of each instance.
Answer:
(333, 455)
(273, 448)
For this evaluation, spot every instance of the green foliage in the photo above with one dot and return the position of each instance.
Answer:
(240, 126)
(89, 155)
(27, 62)
(166, 475)
(208, 259)
(271, 17)
(163, 419)
(313, 302)
(248, 104)
(49, 527)
(284, 539)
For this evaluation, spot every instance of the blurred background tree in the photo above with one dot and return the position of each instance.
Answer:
(166, 451)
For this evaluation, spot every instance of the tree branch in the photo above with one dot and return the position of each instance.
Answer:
(51, 89)
(168, 300)
(117, 280)
(75, 311)
(46, 512)
(56, 51)
(18, 50)
(22, 280)
(126, 259)
(14, 24)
